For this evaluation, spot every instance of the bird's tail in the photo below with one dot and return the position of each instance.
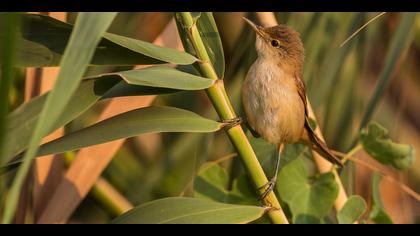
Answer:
(320, 147)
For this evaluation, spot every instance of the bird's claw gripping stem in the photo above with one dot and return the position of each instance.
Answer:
(230, 123)
(269, 186)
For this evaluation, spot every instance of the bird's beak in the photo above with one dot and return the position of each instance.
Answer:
(258, 29)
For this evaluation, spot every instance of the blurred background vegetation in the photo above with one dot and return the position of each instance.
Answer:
(340, 83)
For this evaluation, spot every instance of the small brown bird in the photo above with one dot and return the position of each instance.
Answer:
(274, 96)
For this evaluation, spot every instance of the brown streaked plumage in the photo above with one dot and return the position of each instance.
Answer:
(274, 96)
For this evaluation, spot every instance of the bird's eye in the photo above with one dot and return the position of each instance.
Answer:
(275, 43)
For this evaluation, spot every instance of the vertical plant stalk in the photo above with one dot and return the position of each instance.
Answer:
(8, 44)
(48, 170)
(221, 103)
(322, 164)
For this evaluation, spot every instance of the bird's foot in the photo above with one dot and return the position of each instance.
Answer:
(269, 186)
(230, 123)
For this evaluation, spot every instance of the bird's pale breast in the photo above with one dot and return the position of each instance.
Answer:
(272, 103)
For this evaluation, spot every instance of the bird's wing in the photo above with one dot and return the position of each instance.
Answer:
(300, 84)
(319, 146)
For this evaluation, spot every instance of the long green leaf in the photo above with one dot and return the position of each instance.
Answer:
(86, 35)
(151, 50)
(130, 124)
(400, 41)
(163, 77)
(178, 210)
(151, 80)
(45, 38)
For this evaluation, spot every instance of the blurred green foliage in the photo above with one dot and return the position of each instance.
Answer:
(340, 83)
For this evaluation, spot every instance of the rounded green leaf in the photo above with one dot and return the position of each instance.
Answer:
(212, 183)
(376, 142)
(352, 210)
(309, 199)
(177, 210)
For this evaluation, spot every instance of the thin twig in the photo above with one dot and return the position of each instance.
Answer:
(404, 187)
(363, 26)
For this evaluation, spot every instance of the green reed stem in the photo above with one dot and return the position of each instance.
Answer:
(221, 103)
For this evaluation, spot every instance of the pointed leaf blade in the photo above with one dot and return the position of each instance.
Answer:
(44, 39)
(130, 124)
(178, 210)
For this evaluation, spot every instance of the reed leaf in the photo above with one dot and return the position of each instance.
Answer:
(87, 33)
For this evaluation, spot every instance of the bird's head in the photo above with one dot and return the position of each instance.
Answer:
(279, 42)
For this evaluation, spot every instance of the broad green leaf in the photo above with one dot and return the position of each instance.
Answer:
(399, 43)
(130, 124)
(243, 192)
(376, 142)
(267, 153)
(147, 81)
(378, 213)
(177, 210)
(309, 199)
(45, 38)
(86, 35)
(352, 210)
(208, 31)
(212, 183)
